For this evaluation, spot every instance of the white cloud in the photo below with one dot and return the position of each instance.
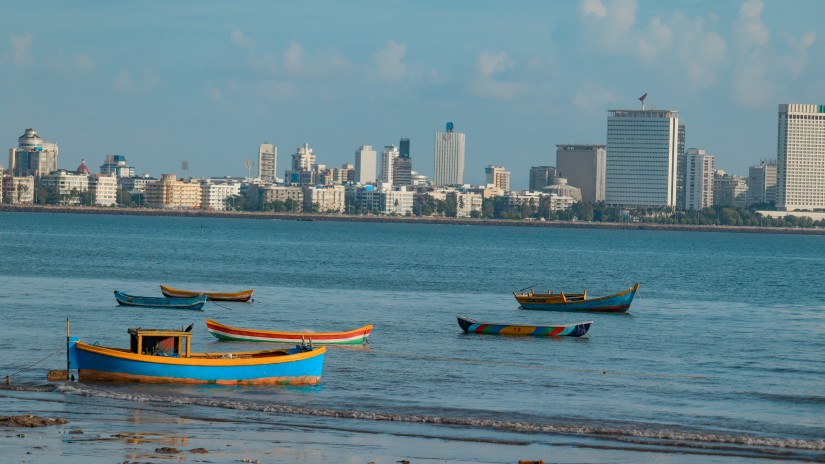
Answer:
(591, 98)
(240, 39)
(750, 31)
(487, 85)
(654, 40)
(594, 7)
(389, 62)
(296, 62)
(20, 48)
(125, 82)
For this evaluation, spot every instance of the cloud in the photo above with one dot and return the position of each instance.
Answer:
(610, 21)
(389, 62)
(125, 82)
(296, 62)
(83, 63)
(277, 91)
(20, 48)
(592, 99)
(750, 31)
(488, 85)
(594, 7)
(238, 38)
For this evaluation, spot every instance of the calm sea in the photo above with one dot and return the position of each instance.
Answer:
(722, 352)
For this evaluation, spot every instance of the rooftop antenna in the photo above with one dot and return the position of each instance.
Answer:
(248, 169)
(642, 99)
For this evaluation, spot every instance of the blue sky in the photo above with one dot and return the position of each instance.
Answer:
(208, 81)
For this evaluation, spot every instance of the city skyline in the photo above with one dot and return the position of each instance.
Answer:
(210, 84)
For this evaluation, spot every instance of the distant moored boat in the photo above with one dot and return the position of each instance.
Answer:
(550, 301)
(194, 302)
(350, 337)
(243, 295)
(567, 330)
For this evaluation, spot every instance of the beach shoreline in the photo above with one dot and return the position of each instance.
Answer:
(406, 219)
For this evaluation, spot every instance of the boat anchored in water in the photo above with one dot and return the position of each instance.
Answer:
(550, 301)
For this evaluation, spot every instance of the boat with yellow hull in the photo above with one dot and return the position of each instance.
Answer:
(243, 295)
(164, 356)
(550, 301)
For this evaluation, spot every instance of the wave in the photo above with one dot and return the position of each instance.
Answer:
(667, 436)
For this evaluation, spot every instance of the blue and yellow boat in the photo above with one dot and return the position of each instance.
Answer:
(193, 302)
(164, 356)
(568, 330)
(550, 301)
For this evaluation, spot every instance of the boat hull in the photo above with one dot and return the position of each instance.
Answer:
(195, 302)
(228, 333)
(616, 303)
(95, 363)
(569, 330)
(242, 296)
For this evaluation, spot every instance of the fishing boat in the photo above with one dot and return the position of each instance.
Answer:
(615, 303)
(569, 330)
(164, 356)
(193, 302)
(225, 332)
(243, 295)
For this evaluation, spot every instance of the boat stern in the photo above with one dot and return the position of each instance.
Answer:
(71, 358)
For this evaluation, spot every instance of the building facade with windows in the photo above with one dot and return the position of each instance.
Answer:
(365, 165)
(762, 183)
(33, 156)
(104, 189)
(641, 158)
(699, 177)
(268, 162)
(449, 157)
(498, 177)
(584, 167)
(168, 192)
(800, 157)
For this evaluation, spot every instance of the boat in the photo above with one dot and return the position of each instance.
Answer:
(615, 303)
(568, 330)
(194, 302)
(243, 295)
(225, 332)
(164, 356)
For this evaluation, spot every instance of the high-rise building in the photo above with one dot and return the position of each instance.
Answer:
(388, 158)
(699, 177)
(800, 157)
(268, 162)
(681, 168)
(402, 168)
(541, 176)
(116, 166)
(729, 191)
(762, 183)
(303, 170)
(583, 166)
(498, 177)
(449, 157)
(365, 165)
(33, 156)
(641, 158)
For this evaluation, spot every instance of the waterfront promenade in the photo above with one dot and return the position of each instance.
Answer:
(407, 219)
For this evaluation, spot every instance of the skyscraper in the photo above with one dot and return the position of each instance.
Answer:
(641, 158)
(762, 183)
(681, 168)
(583, 166)
(268, 162)
(800, 157)
(365, 165)
(33, 156)
(402, 168)
(541, 176)
(699, 179)
(388, 157)
(449, 157)
(498, 177)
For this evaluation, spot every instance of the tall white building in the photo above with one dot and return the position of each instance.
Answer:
(584, 167)
(365, 165)
(498, 177)
(104, 188)
(699, 176)
(268, 162)
(388, 158)
(800, 157)
(449, 157)
(33, 156)
(641, 158)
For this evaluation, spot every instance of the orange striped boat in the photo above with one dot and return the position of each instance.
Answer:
(225, 332)
(243, 295)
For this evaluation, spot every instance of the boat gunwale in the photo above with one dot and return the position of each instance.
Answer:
(577, 301)
(251, 332)
(242, 294)
(473, 321)
(200, 359)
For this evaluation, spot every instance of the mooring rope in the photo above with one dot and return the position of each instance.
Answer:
(38, 362)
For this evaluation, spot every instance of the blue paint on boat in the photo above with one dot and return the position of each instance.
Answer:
(195, 302)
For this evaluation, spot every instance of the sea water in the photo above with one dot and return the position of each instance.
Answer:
(721, 354)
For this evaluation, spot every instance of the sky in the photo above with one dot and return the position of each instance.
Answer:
(209, 81)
